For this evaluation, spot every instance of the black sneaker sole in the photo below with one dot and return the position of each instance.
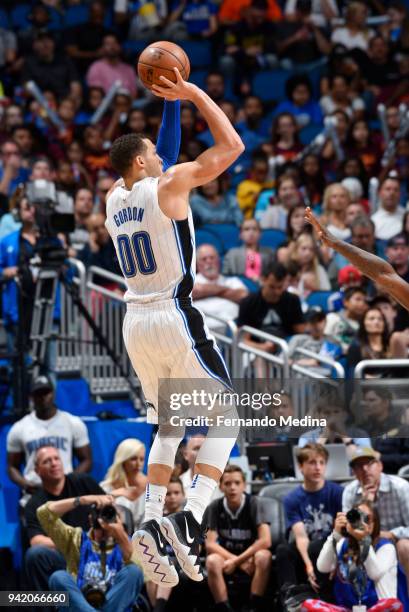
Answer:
(156, 568)
(187, 562)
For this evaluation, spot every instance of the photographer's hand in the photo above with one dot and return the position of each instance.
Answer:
(117, 532)
(358, 534)
(340, 522)
(98, 500)
(11, 272)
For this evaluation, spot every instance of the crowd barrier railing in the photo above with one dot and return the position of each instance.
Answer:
(225, 340)
(72, 325)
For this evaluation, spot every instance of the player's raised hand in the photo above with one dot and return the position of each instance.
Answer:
(322, 232)
(181, 90)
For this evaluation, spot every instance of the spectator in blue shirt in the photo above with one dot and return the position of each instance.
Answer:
(212, 204)
(300, 101)
(310, 510)
(192, 19)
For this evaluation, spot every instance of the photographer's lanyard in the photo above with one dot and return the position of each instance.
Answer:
(102, 547)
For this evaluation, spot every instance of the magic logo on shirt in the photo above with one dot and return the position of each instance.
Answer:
(56, 441)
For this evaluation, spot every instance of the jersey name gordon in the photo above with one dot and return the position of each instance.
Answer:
(128, 213)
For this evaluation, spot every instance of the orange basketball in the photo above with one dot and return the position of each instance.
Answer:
(159, 59)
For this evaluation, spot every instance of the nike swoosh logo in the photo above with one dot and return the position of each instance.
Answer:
(161, 544)
(188, 538)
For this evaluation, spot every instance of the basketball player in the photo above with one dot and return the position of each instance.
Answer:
(149, 219)
(375, 268)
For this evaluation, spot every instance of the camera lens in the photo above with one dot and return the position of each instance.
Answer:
(108, 514)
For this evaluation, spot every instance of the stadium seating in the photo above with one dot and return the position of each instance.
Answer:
(199, 52)
(226, 232)
(75, 15)
(251, 285)
(270, 84)
(319, 298)
(205, 237)
(308, 133)
(272, 238)
(4, 19)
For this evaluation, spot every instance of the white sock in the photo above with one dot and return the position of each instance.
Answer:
(154, 502)
(199, 495)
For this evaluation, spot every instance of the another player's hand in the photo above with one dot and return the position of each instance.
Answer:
(181, 90)
(322, 232)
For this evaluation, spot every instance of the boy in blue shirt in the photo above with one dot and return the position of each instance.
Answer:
(310, 511)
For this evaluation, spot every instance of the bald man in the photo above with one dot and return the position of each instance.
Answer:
(213, 293)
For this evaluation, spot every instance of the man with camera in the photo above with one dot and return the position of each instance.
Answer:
(391, 495)
(102, 572)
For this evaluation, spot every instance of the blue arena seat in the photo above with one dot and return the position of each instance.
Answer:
(252, 286)
(227, 232)
(270, 84)
(319, 298)
(4, 19)
(308, 133)
(75, 15)
(198, 77)
(133, 47)
(205, 237)
(272, 238)
(19, 16)
(199, 52)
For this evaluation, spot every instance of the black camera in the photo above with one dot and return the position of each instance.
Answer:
(52, 216)
(356, 518)
(107, 513)
(94, 593)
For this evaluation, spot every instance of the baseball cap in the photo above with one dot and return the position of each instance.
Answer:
(315, 314)
(398, 240)
(349, 274)
(364, 451)
(42, 383)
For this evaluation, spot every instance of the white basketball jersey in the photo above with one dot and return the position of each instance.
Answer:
(156, 254)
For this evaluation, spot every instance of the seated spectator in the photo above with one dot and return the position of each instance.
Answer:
(192, 447)
(310, 510)
(357, 206)
(285, 139)
(42, 558)
(295, 227)
(125, 476)
(397, 254)
(272, 309)
(389, 493)
(298, 39)
(341, 98)
(213, 293)
(83, 206)
(27, 141)
(45, 426)
(249, 189)
(145, 25)
(255, 119)
(300, 101)
(380, 70)
(377, 564)
(314, 340)
(340, 427)
(373, 341)
(212, 204)
(191, 20)
(102, 188)
(336, 200)
(344, 325)
(250, 259)
(388, 217)
(100, 251)
(110, 68)
(238, 541)
(75, 155)
(355, 34)
(12, 171)
(275, 216)
(96, 158)
(248, 46)
(362, 236)
(215, 86)
(305, 253)
(383, 421)
(362, 144)
(51, 70)
(103, 556)
(312, 180)
(8, 48)
(83, 42)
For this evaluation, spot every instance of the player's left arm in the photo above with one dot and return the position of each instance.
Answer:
(168, 144)
(263, 542)
(375, 268)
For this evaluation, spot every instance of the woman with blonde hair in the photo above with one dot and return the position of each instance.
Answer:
(335, 203)
(304, 252)
(126, 477)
